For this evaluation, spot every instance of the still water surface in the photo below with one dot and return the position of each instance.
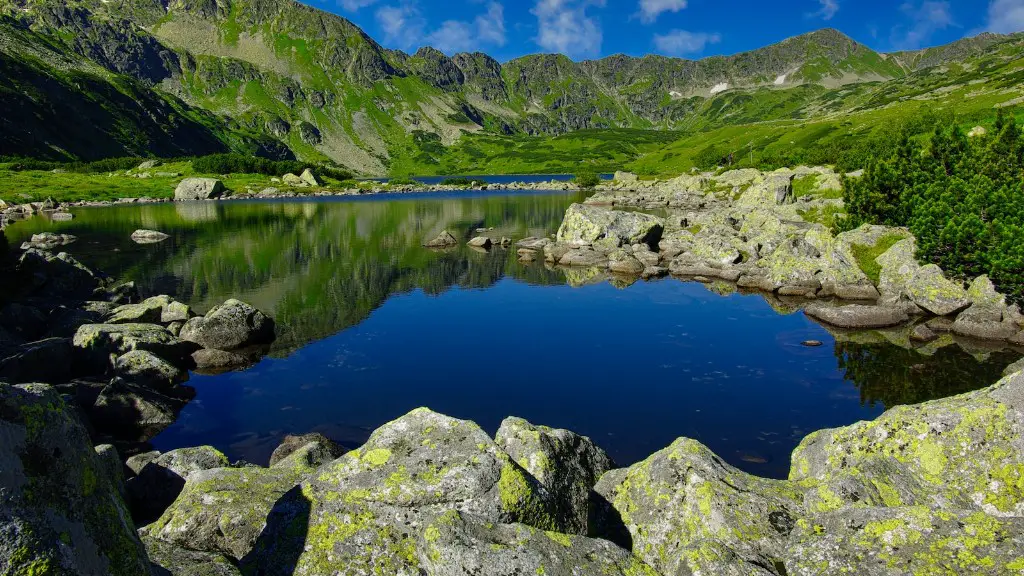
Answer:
(372, 325)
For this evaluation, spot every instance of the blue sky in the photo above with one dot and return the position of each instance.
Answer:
(585, 29)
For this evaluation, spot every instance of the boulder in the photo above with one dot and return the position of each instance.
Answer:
(480, 242)
(293, 180)
(130, 411)
(622, 262)
(898, 266)
(171, 560)
(198, 189)
(686, 511)
(96, 343)
(625, 178)
(584, 258)
(585, 225)
(149, 311)
(112, 467)
(62, 513)
(158, 483)
(566, 464)
(443, 240)
(857, 316)
(457, 544)
(309, 178)
(148, 370)
(48, 361)
(233, 325)
(363, 508)
(148, 236)
(777, 189)
(532, 243)
(25, 321)
(931, 290)
(58, 276)
(48, 241)
(211, 361)
(319, 449)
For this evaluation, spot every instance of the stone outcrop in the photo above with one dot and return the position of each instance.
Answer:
(590, 226)
(198, 189)
(62, 512)
(234, 325)
(443, 240)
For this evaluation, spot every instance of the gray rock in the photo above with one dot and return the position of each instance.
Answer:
(148, 165)
(688, 512)
(922, 333)
(57, 276)
(47, 361)
(158, 483)
(458, 544)
(233, 325)
(175, 311)
(319, 449)
(198, 189)
(171, 560)
(931, 290)
(622, 262)
(480, 242)
(137, 462)
(149, 311)
(112, 467)
(148, 236)
(585, 225)
(409, 472)
(132, 411)
(443, 240)
(48, 241)
(898, 266)
(533, 243)
(566, 464)
(584, 258)
(149, 370)
(62, 514)
(96, 343)
(857, 316)
(210, 361)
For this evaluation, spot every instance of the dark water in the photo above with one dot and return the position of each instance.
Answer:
(371, 325)
(499, 179)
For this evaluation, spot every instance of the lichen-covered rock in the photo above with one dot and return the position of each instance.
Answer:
(309, 178)
(171, 560)
(688, 512)
(584, 258)
(457, 544)
(622, 262)
(233, 325)
(967, 449)
(931, 290)
(158, 483)
(198, 189)
(776, 189)
(907, 540)
(858, 316)
(224, 510)
(136, 412)
(149, 370)
(96, 343)
(898, 266)
(319, 449)
(148, 237)
(360, 508)
(589, 225)
(61, 513)
(564, 462)
(148, 311)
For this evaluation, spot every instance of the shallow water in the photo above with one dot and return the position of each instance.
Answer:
(372, 325)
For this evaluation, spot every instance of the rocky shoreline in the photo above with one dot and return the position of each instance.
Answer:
(936, 488)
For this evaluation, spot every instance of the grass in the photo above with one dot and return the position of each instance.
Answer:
(866, 255)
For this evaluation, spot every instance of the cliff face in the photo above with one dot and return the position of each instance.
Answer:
(275, 77)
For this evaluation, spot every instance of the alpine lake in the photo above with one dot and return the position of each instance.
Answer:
(372, 325)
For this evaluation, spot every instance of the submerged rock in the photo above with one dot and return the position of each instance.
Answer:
(62, 512)
(148, 237)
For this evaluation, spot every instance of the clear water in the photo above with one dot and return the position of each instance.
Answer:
(499, 178)
(372, 325)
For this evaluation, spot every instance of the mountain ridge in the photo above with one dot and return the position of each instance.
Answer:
(279, 78)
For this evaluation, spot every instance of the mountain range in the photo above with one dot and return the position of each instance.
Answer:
(86, 79)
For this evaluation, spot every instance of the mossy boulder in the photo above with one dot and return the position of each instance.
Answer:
(134, 412)
(146, 369)
(148, 311)
(159, 482)
(930, 289)
(967, 450)
(688, 512)
(566, 464)
(359, 512)
(319, 449)
(585, 225)
(898, 266)
(171, 560)
(96, 343)
(456, 544)
(62, 514)
(234, 325)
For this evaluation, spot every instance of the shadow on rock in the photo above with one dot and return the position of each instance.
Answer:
(289, 518)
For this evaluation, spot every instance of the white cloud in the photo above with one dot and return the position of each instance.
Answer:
(680, 42)
(402, 25)
(828, 9)
(926, 18)
(354, 5)
(563, 26)
(1006, 16)
(460, 36)
(651, 9)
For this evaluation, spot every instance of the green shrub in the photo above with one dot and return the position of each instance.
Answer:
(963, 198)
(587, 180)
(461, 182)
(98, 166)
(404, 182)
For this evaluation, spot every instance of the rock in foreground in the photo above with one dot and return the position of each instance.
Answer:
(198, 189)
(233, 325)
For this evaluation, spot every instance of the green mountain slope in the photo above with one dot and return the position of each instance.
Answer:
(90, 78)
